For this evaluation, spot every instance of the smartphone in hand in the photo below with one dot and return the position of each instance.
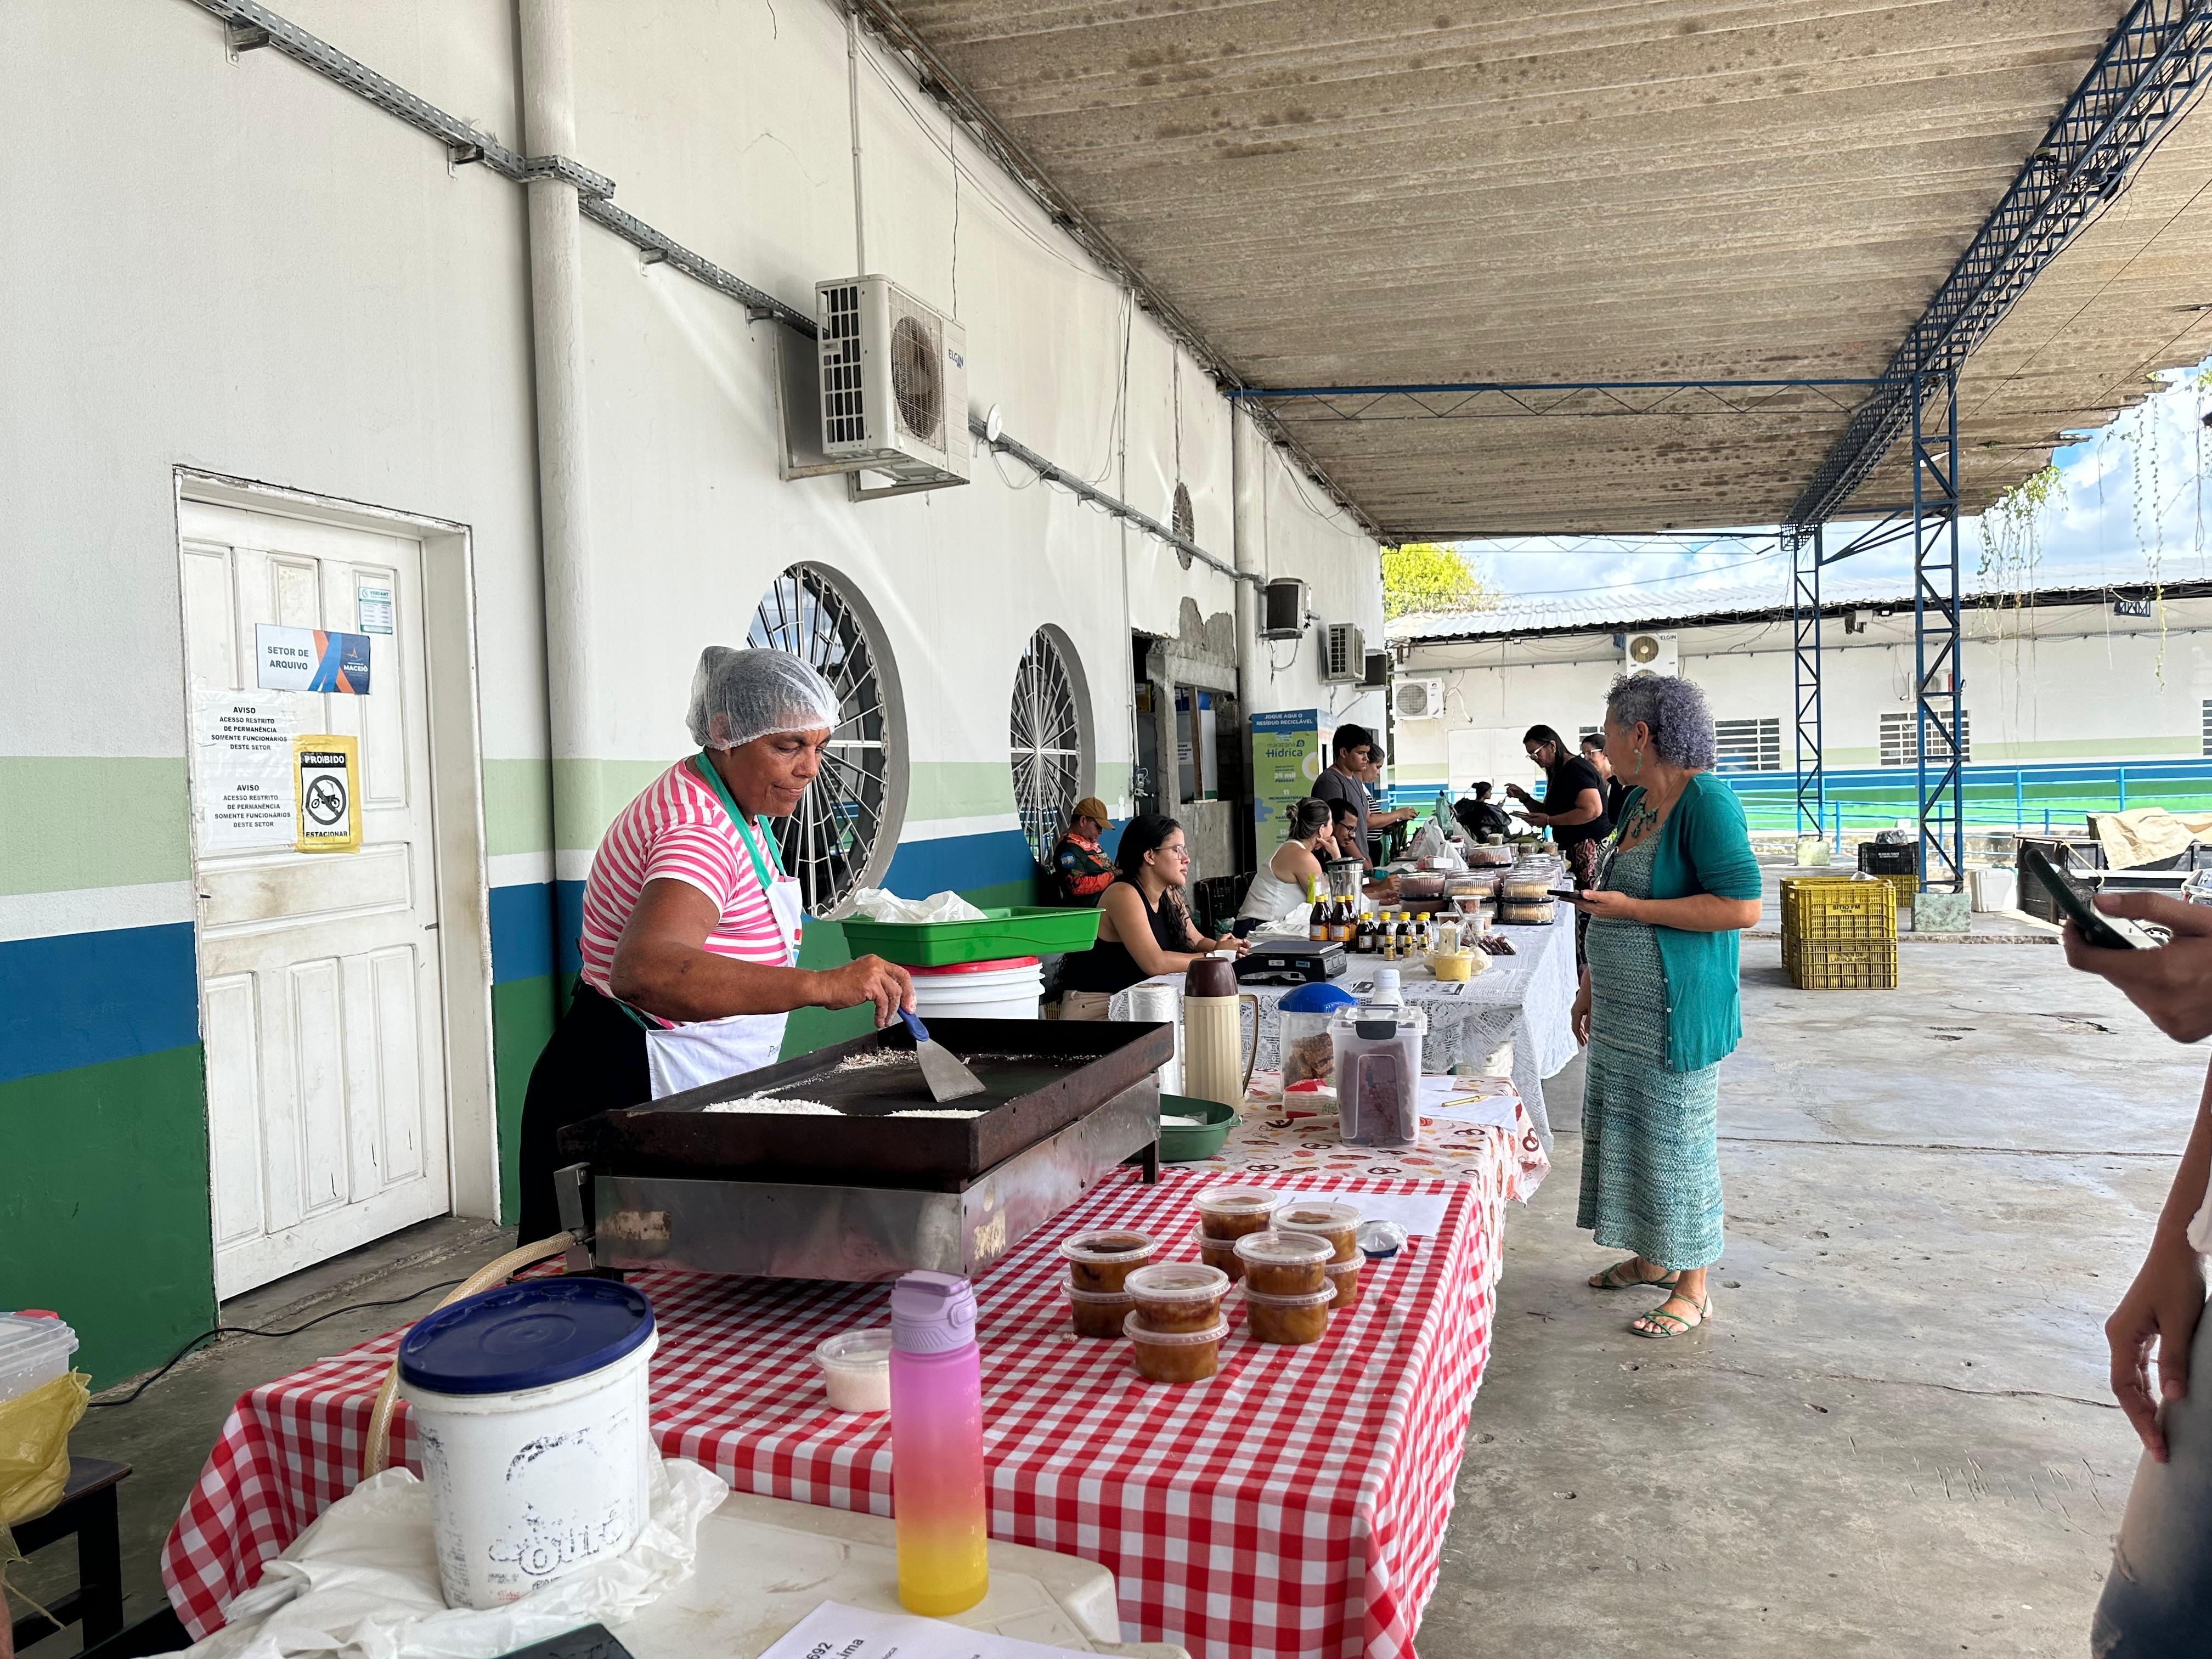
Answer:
(2074, 900)
(1570, 895)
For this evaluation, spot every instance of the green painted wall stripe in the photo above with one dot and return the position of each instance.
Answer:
(69, 823)
(518, 806)
(60, 827)
(104, 1206)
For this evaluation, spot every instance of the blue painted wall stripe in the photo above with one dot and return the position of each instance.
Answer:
(81, 999)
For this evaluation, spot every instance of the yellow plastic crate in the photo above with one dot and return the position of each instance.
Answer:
(1824, 910)
(1864, 967)
(1907, 886)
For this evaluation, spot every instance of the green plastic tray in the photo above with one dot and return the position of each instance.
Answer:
(1024, 931)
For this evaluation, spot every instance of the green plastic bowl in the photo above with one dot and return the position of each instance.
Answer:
(1182, 1145)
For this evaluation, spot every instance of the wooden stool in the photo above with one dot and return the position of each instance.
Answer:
(88, 1511)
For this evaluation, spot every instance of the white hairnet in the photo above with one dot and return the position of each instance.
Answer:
(738, 695)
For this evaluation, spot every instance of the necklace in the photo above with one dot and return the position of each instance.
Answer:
(1641, 820)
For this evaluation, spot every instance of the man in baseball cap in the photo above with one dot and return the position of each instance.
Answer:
(1080, 869)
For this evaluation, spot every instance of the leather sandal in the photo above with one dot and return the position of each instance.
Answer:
(1617, 1277)
(1650, 1324)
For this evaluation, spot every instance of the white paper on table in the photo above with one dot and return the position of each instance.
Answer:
(1419, 1213)
(1489, 1101)
(847, 1632)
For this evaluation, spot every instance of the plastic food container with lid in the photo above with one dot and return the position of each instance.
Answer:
(1230, 1212)
(1100, 1313)
(1291, 1320)
(1176, 1355)
(34, 1350)
(1337, 1223)
(1303, 1039)
(555, 1369)
(1284, 1264)
(856, 1370)
(1177, 1296)
(1099, 1263)
(1344, 1282)
(1378, 1068)
(1220, 1253)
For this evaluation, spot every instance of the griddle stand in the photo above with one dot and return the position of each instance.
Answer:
(857, 1234)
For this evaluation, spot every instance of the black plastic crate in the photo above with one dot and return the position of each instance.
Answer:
(1887, 858)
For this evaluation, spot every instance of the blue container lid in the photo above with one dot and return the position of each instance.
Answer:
(1316, 997)
(524, 1336)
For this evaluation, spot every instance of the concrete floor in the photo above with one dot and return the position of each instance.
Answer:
(1895, 1439)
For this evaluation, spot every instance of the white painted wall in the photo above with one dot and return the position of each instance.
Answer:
(2058, 683)
(240, 267)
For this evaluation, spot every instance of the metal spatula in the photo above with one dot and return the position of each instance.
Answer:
(941, 1069)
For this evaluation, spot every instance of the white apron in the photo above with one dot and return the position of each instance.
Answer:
(680, 1057)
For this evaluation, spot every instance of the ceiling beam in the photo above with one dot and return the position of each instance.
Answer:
(2156, 62)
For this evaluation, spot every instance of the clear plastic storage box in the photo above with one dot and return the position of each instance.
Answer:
(34, 1350)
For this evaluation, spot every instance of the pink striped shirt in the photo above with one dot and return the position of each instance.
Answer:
(676, 830)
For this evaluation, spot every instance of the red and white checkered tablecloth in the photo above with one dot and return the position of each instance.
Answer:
(1293, 1504)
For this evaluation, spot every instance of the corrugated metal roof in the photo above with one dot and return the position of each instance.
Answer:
(1339, 192)
(1635, 607)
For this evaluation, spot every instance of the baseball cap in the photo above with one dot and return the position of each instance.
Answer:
(1091, 807)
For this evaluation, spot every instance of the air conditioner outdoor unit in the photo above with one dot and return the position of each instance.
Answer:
(1651, 653)
(893, 386)
(1283, 609)
(1345, 656)
(1378, 672)
(1417, 700)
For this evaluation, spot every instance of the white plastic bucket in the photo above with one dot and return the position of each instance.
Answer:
(531, 1486)
(1007, 989)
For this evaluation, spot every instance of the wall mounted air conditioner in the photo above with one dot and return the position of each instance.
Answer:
(1344, 655)
(1417, 700)
(1378, 672)
(883, 390)
(1283, 609)
(1651, 653)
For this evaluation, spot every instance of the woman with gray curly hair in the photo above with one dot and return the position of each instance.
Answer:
(1658, 1009)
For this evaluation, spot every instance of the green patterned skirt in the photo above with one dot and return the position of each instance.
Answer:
(1651, 1176)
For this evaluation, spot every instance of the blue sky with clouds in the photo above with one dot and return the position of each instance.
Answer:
(2135, 500)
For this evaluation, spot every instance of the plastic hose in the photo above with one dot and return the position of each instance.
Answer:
(375, 1452)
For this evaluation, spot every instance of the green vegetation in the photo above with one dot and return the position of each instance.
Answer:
(1428, 579)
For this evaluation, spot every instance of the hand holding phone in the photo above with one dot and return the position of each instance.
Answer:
(1570, 895)
(2076, 902)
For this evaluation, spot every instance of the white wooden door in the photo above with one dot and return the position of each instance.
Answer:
(320, 995)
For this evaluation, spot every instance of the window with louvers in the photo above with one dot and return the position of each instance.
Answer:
(1900, 741)
(846, 825)
(1752, 745)
(1047, 732)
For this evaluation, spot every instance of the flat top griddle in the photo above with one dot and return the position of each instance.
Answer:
(1038, 1076)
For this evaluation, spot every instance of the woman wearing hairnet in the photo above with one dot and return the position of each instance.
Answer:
(690, 929)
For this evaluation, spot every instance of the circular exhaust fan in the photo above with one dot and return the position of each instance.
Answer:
(916, 380)
(1642, 648)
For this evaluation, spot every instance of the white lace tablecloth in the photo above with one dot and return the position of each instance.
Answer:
(1525, 1000)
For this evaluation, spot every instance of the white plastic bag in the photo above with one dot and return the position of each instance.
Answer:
(363, 1580)
(881, 904)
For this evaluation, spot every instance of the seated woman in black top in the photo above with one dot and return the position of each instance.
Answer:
(1146, 930)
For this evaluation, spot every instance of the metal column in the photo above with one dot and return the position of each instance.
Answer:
(1937, 686)
(1805, 549)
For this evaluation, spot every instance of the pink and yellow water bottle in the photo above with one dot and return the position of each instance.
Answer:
(937, 1446)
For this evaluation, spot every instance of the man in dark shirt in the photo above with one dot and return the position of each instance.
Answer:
(1341, 782)
(1080, 869)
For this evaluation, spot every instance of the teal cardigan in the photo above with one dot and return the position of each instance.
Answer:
(1703, 847)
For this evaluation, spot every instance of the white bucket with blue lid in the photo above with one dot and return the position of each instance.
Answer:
(530, 1404)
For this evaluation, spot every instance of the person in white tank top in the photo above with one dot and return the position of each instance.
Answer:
(1279, 890)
